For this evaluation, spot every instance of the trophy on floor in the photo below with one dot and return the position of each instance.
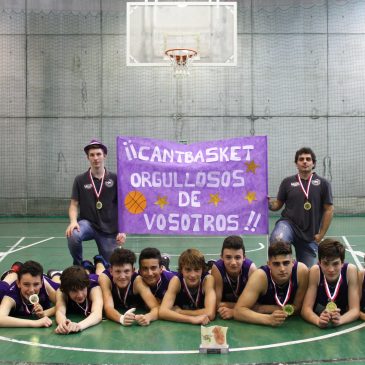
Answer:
(214, 340)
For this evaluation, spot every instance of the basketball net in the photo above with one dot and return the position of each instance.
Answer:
(180, 59)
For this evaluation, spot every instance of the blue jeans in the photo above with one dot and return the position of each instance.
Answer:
(105, 242)
(306, 252)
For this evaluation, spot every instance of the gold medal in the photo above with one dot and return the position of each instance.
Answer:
(34, 299)
(307, 205)
(99, 205)
(331, 306)
(288, 309)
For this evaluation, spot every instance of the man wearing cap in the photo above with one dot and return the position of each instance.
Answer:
(93, 209)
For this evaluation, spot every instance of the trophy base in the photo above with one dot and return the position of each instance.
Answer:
(214, 350)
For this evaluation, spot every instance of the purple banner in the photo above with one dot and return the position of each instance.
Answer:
(207, 188)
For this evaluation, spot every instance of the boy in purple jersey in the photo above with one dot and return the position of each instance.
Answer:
(332, 295)
(122, 291)
(78, 294)
(16, 302)
(190, 297)
(152, 273)
(230, 274)
(274, 291)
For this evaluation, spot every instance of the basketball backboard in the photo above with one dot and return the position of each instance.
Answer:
(210, 28)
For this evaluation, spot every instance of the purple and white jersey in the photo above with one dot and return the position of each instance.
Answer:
(22, 306)
(341, 300)
(232, 288)
(124, 298)
(4, 287)
(85, 307)
(189, 298)
(281, 291)
(160, 288)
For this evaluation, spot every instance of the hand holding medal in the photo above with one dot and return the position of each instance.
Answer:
(287, 308)
(331, 306)
(34, 299)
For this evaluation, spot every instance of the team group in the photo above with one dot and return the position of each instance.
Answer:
(325, 290)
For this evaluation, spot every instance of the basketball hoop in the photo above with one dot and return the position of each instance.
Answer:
(180, 59)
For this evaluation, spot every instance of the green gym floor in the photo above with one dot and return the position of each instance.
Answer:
(295, 342)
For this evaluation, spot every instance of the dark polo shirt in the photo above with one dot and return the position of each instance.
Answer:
(105, 219)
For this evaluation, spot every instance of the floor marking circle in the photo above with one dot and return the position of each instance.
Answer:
(175, 352)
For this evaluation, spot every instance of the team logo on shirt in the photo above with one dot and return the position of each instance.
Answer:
(294, 184)
(316, 182)
(87, 186)
(109, 183)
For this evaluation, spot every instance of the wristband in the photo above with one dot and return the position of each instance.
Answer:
(121, 319)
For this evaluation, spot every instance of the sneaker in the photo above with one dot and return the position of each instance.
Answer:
(210, 264)
(99, 259)
(51, 273)
(14, 268)
(89, 266)
(165, 261)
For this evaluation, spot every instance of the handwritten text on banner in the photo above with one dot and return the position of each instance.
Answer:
(207, 188)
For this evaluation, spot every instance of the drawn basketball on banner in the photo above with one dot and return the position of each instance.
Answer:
(135, 202)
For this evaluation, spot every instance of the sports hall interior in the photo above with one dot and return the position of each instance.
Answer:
(298, 77)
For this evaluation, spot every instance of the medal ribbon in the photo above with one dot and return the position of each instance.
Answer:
(288, 292)
(336, 291)
(197, 299)
(97, 193)
(85, 309)
(26, 306)
(306, 192)
(124, 300)
(157, 286)
(235, 291)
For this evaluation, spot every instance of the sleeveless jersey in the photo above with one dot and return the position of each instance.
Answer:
(281, 291)
(196, 301)
(233, 289)
(123, 299)
(85, 308)
(342, 297)
(22, 305)
(160, 288)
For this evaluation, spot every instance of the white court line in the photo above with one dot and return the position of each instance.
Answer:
(354, 256)
(261, 247)
(172, 352)
(32, 244)
(12, 249)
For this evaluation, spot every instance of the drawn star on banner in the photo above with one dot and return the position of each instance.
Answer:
(161, 201)
(251, 166)
(215, 199)
(251, 196)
